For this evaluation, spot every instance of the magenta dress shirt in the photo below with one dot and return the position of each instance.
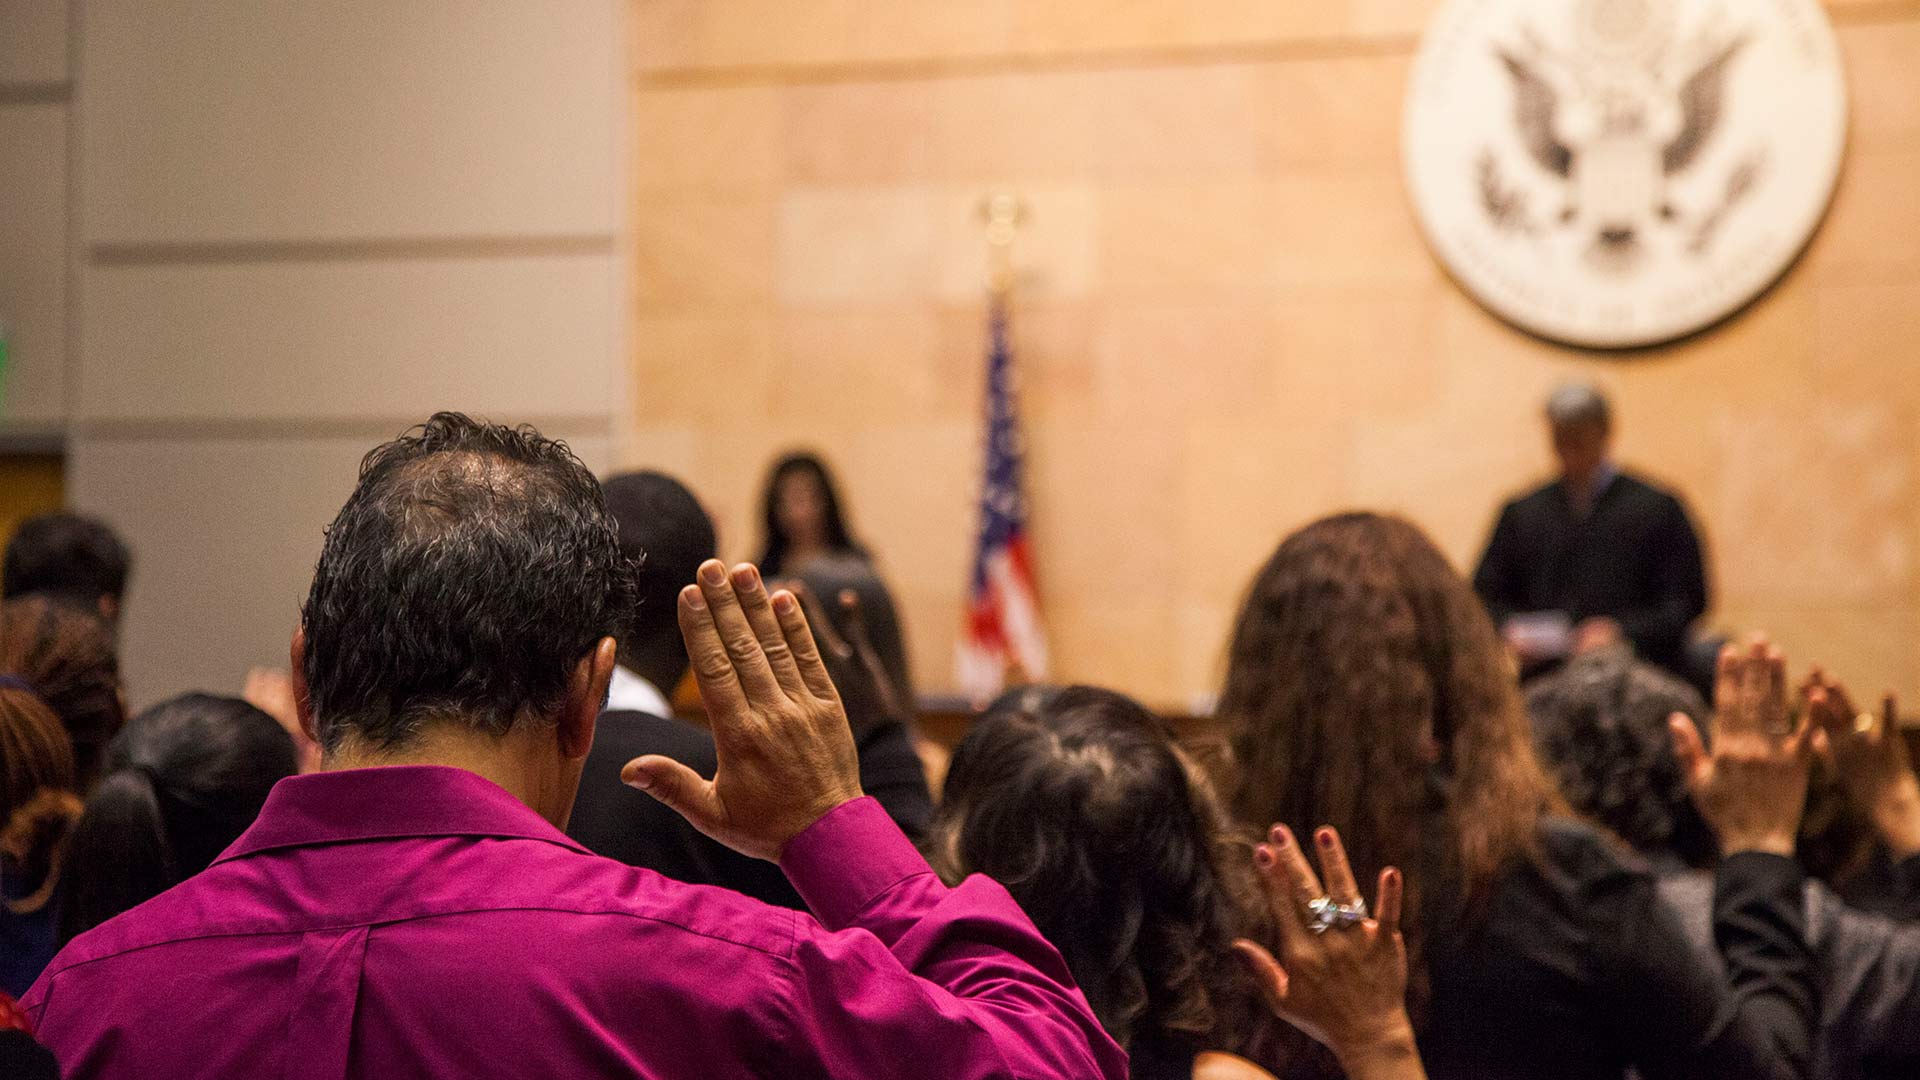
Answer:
(419, 921)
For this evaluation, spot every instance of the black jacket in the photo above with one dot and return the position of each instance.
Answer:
(1578, 971)
(1868, 968)
(614, 820)
(1635, 559)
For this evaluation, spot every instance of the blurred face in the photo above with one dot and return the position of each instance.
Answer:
(801, 509)
(1580, 448)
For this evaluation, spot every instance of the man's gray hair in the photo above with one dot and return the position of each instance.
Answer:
(1578, 403)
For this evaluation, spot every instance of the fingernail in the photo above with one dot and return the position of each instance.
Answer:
(640, 780)
(746, 576)
(713, 573)
(1280, 836)
(1393, 876)
(1263, 855)
(783, 603)
(1325, 836)
(695, 600)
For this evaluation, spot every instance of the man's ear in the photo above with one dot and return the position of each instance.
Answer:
(586, 696)
(297, 674)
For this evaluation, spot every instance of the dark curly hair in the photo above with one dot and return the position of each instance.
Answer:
(1600, 724)
(469, 572)
(1080, 803)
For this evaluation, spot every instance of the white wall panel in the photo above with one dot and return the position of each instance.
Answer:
(33, 41)
(225, 531)
(33, 264)
(250, 120)
(526, 336)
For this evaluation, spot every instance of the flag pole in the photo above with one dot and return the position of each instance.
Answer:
(1003, 213)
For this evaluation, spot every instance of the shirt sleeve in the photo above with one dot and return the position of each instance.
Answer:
(904, 977)
(1677, 1018)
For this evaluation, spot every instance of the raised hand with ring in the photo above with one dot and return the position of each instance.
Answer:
(1346, 989)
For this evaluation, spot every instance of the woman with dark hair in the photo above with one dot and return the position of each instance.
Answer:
(1602, 724)
(808, 541)
(37, 811)
(801, 512)
(1079, 802)
(185, 779)
(1368, 690)
(67, 655)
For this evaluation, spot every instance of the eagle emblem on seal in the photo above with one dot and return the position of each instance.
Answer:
(1609, 124)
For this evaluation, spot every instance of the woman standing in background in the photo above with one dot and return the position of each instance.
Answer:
(807, 540)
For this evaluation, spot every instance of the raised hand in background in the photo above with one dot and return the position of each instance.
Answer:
(1870, 758)
(1342, 981)
(1752, 787)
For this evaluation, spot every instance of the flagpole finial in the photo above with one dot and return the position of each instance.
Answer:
(1002, 213)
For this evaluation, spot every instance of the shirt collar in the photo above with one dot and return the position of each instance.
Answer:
(389, 802)
(631, 693)
(1604, 474)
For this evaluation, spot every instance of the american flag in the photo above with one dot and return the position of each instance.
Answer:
(1003, 617)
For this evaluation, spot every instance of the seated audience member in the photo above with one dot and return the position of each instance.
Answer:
(37, 810)
(664, 530)
(184, 779)
(1603, 727)
(414, 909)
(1600, 726)
(1368, 690)
(67, 656)
(1594, 557)
(1078, 801)
(69, 558)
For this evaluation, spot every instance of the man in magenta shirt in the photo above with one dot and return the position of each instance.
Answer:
(415, 909)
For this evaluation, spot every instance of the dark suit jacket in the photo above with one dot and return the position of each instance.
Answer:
(614, 820)
(1635, 559)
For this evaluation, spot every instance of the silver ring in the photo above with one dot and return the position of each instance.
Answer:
(1329, 915)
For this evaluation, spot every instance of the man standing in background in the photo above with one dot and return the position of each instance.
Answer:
(1595, 557)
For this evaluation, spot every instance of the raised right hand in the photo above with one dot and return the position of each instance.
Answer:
(785, 754)
(1752, 788)
(1346, 987)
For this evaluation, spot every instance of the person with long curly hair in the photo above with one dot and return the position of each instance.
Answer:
(1367, 690)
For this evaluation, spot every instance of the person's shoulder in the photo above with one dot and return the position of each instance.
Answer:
(1535, 501)
(1641, 489)
(707, 911)
(1586, 860)
(1542, 494)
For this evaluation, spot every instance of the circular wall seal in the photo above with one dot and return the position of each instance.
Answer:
(1620, 173)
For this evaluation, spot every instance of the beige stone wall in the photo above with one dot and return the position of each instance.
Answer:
(1227, 324)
